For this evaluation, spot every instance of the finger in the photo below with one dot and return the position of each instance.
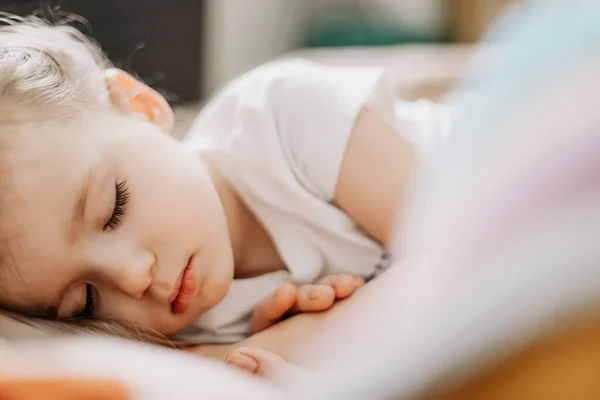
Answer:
(359, 281)
(273, 307)
(312, 298)
(259, 362)
(254, 360)
(343, 284)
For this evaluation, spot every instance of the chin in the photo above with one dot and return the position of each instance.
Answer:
(176, 328)
(218, 292)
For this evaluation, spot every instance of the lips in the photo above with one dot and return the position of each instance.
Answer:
(181, 297)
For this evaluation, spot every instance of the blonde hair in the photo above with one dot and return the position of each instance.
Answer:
(16, 326)
(48, 74)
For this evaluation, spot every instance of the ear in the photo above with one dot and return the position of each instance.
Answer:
(133, 96)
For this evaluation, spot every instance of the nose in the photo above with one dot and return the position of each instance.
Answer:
(129, 271)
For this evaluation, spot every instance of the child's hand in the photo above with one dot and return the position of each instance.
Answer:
(262, 363)
(289, 299)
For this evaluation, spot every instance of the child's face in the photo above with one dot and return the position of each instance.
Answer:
(61, 239)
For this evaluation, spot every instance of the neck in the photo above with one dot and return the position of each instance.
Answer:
(253, 250)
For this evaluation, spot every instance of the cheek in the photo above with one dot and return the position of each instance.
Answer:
(172, 195)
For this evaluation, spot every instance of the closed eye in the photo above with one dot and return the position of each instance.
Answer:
(90, 303)
(121, 199)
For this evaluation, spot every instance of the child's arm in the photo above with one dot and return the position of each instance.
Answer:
(374, 175)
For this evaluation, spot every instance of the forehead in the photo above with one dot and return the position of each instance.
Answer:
(20, 288)
(42, 171)
(45, 175)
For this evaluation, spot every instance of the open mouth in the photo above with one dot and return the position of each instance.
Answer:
(181, 298)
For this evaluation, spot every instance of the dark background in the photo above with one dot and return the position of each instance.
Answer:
(157, 40)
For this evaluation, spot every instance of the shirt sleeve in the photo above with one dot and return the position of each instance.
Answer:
(315, 108)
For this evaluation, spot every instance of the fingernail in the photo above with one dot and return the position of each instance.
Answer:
(317, 292)
(243, 361)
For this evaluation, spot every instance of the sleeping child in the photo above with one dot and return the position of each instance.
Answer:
(280, 200)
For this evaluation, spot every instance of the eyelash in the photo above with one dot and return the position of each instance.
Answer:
(121, 199)
(90, 302)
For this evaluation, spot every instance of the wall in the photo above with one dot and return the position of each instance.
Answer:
(241, 34)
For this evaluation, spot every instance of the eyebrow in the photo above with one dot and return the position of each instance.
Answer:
(82, 198)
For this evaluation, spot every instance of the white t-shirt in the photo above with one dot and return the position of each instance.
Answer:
(278, 134)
